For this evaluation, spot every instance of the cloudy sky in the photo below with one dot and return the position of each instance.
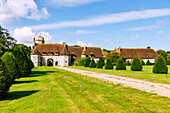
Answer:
(99, 23)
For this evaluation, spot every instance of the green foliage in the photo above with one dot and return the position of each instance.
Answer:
(5, 80)
(114, 56)
(160, 66)
(76, 62)
(128, 63)
(92, 64)
(143, 63)
(168, 60)
(102, 59)
(86, 62)
(148, 62)
(163, 53)
(136, 64)
(11, 67)
(21, 60)
(99, 64)
(108, 64)
(120, 65)
(81, 62)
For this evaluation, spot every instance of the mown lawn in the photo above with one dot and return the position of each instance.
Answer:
(47, 91)
(146, 74)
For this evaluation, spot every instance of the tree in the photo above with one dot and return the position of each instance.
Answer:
(108, 64)
(21, 60)
(136, 64)
(148, 62)
(99, 64)
(102, 59)
(6, 40)
(120, 65)
(114, 56)
(163, 53)
(160, 66)
(5, 80)
(168, 60)
(11, 67)
(81, 62)
(92, 64)
(86, 62)
(143, 63)
(128, 63)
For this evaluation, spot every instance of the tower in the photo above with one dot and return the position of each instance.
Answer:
(83, 54)
(40, 40)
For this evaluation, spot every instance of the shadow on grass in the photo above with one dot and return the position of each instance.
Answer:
(20, 82)
(39, 73)
(18, 94)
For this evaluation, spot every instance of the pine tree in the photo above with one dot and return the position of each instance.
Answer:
(136, 64)
(143, 63)
(128, 63)
(102, 59)
(92, 64)
(108, 64)
(148, 62)
(160, 66)
(120, 65)
(99, 64)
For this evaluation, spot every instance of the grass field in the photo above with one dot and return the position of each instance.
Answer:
(46, 90)
(145, 74)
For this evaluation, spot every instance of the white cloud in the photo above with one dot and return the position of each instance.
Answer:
(142, 28)
(71, 3)
(79, 32)
(25, 35)
(16, 9)
(107, 19)
(80, 43)
(160, 32)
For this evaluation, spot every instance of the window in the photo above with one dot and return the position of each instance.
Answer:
(92, 56)
(50, 53)
(57, 53)
(44, 53)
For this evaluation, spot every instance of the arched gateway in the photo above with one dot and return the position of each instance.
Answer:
(50, 62)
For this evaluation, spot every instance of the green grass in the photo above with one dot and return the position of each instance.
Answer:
(47, 91)
(146, 74)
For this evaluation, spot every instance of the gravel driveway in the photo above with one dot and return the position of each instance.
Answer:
(158, 88)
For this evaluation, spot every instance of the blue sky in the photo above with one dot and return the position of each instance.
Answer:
(99, 23)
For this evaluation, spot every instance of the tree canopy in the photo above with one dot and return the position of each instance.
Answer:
(114, 56)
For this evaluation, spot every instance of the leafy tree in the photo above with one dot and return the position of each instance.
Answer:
(120, 65)
(136, 64)
(160, 66)
(128, 63)
(168, 60)
(5, 80)
(108, 64)
(21, 60)
(99, 64)
(148, 62)
(143, 63)
(114, 56)
(92, 64)
(163, 53)
(86, 62)
(11, 67)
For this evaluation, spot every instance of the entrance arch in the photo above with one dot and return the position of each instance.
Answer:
(50, 62)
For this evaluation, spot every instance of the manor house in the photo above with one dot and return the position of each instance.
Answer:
(60, 54)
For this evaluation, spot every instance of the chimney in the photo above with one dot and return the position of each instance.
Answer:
(85, 47)
(33, 43)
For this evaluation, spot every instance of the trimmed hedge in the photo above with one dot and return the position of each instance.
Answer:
(148, 62)
(136, 64)
(108, 64)
(143, 63)
(128, 63)
(120, 65)
(86, 62)
(92, 64)
(160, 66)
(99, 64)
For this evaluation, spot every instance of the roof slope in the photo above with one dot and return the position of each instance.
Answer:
(142, 53)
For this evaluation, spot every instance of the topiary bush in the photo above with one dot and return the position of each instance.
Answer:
(136, 64)
(143, 63)
(108, 64)
(92, 64)
(99, 64)
(81, 62)
(87, 62)
(168, 60)
(160, 66)
(120, 65)
(148, 62)
(128, 63)
(102, 59)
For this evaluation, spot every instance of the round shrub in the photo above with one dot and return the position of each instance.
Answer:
(108, 64)
(148, 62)
(143, 63)
(120, 65)
(99, 64)
(128, 63)
(92, 64)
(87, 62)
(160, 66)
(136, 64)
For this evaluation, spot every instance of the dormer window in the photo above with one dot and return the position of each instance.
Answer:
(44, 53)
(50, 53)
(57, 53)
(92, 56)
